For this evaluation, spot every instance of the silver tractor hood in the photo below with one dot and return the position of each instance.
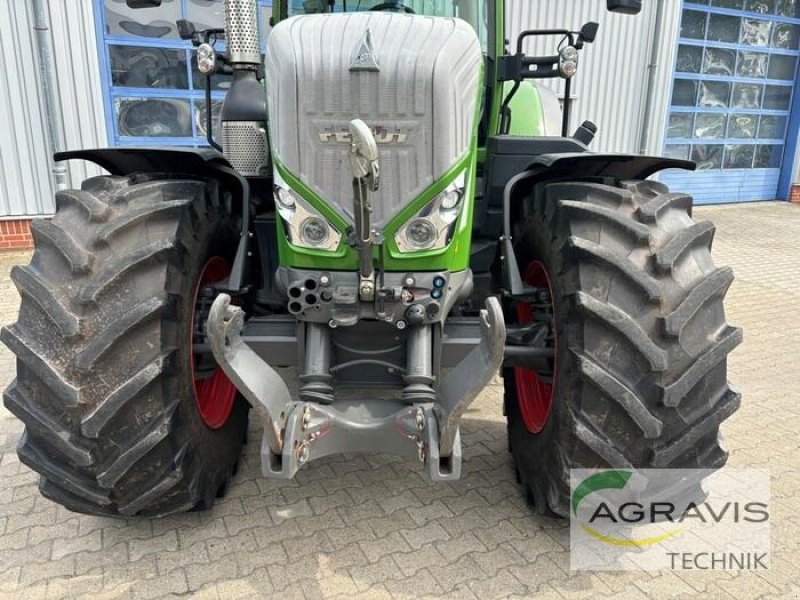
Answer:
(413, 79)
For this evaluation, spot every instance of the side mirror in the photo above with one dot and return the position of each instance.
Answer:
(626, 7)
(143, 3)
(186, 29)
(588, 32)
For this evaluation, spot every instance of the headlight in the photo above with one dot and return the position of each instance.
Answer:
(285, 198)
(315, 232)
(432, 227)
(568, 61)
(451, 198)
(304, 226)
(421, 233)
(206, 59)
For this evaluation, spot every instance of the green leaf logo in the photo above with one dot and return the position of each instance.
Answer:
(611, 480)
(607, 480)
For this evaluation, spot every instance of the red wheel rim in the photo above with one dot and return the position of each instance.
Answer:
(534, 396)
(214, 394)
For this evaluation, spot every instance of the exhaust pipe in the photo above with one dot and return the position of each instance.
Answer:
(241, 33)
(244, 113)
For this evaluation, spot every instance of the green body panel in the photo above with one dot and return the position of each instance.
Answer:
(526, 107)
(343, 259)
(454, 256)
(496, 100)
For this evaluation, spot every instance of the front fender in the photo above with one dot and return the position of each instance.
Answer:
(618, 166)
(572, 166)
(578, 166)
(178, 161)
(193, 162)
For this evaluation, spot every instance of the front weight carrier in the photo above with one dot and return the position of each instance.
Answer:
(296, 432)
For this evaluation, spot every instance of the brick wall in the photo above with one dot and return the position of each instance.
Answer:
(794, 194)
(15, 235)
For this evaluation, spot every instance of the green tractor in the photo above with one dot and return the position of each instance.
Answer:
(394, 214)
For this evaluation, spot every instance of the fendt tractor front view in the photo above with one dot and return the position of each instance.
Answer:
(394, 213)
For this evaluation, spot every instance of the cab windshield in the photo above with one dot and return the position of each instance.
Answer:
(472, 11)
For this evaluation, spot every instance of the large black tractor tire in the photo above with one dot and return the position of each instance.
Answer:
(641, 340)
(105, 370)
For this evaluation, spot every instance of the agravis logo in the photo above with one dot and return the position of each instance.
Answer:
(669, 518)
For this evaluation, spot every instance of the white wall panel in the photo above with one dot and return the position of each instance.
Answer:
(24, 188)
(81, 91)
(26, 183)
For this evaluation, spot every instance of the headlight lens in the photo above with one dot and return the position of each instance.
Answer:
(450, 199)
(284, 197)
(421, 233)
(314, 232)
(304, 226)
(432, 227)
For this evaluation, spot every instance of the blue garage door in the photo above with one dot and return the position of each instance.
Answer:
(154, 94)
(732, 98)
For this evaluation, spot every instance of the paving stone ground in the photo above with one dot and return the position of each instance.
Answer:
(372, 527)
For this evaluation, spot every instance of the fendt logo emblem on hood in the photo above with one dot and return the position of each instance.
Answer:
(382, 136)
(364, 58)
